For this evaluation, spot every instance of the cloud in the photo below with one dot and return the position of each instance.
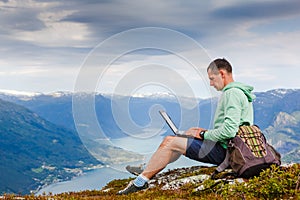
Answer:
(258, 10)
(38, 24)
(22, 15)
(56, 36)
(111, 17)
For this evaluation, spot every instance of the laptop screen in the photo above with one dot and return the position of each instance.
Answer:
(169, 121)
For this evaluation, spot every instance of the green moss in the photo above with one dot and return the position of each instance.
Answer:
(273, 183)
(276, 182)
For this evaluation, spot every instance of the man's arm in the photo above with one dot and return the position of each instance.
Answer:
(232, 116)
(195, 132)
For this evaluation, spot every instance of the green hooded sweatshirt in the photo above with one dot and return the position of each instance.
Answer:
(234, 108)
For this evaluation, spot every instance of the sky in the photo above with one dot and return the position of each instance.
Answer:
(140, 46)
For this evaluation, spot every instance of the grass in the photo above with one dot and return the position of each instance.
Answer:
(273, 183)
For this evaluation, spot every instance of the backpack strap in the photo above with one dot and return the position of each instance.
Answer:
(245, 124)
(225, 162)
(222, 166)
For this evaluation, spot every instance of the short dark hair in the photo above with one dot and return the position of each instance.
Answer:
(220, 63)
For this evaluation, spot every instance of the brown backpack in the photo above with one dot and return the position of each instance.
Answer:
(248, 153)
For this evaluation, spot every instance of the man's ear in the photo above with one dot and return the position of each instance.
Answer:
(222, 72)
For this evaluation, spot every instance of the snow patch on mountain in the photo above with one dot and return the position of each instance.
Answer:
(19, 93)
(280, 92)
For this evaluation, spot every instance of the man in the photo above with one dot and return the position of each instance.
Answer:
(209, 146)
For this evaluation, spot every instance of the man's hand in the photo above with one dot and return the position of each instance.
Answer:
(195, 132)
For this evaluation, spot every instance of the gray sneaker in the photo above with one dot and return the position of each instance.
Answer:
(135, 170)
(132, 188)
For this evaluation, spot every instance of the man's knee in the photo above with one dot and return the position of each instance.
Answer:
(167, 141)
(174, 143)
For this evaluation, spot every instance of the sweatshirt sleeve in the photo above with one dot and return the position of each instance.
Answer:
(232, 105)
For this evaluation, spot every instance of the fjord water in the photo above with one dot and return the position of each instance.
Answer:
(98, 178)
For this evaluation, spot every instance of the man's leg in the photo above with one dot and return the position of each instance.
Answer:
(169, 151)
(205, 151)
(173, 147)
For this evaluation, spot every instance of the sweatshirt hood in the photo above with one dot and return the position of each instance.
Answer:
(247, 89)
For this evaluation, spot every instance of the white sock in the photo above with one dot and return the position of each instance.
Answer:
(140, 180)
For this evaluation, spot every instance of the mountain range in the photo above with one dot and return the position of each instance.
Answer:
(35, 152)
(39, 142)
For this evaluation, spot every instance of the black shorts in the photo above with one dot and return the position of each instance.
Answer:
(205, 151)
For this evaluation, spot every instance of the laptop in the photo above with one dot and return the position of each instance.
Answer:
(172, 126)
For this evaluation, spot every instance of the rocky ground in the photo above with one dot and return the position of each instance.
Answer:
(195, 183)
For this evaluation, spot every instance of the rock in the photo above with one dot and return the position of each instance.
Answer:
(171, 175)
(219, 181)
(176, 184)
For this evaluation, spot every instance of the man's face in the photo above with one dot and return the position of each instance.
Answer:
(215, 79)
